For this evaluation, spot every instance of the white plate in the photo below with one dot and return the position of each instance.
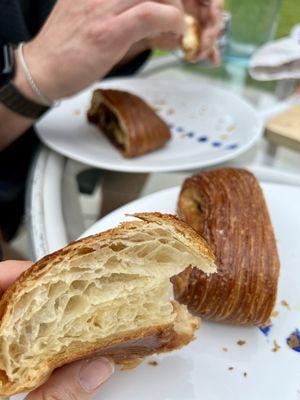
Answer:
(209, 126)
(201, 370)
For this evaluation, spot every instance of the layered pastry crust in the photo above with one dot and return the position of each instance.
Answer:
(227, 207)
(109, 294)
(128, 122)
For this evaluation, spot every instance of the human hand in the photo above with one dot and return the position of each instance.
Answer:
(76, 381)
(209, 15)
(82, 40)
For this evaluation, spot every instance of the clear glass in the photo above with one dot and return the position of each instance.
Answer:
(253, 23)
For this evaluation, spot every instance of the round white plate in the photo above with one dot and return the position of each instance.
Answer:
(202, 369)
(209, 126)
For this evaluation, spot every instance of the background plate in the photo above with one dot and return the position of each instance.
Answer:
(201, 370)
(209, 126)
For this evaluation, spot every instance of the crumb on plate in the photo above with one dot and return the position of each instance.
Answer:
(156, 109)
(285, 304)
(170, 111)
(276, 346)
(153, 363)
(225, 349)
(230, 369)
(245, 374)
(241, 342)
(275, 314)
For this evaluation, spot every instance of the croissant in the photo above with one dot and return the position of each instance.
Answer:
(227, 207)
(191, 41)
(129, 122)
(109, 294)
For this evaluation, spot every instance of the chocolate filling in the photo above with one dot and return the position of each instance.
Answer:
(109, 122)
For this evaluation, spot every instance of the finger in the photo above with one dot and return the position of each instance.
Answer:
(209, 38)
(166, 41)
(10, 271)
(77, 381)
(214, 56)
(120, 6)
(149, 19)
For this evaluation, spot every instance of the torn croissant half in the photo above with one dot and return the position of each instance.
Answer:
(130, 124)
(108, 294)
(227, 207)
(191, 41)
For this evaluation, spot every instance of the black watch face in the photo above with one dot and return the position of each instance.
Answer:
(6, 64)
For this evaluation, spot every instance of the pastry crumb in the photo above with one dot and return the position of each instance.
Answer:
(276, 347)
(245, 374)
(241, 342)
(275, 314)
(156, 109)
(153, 363)
(224, 137)
(231, 128)
(230, 369)
(76, 112)
(225, 349)
(285, 304)
(171, 111)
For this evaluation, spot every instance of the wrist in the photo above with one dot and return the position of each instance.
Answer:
(33, 76)
(21, 83)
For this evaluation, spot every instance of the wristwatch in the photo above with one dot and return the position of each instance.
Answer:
(10, 95)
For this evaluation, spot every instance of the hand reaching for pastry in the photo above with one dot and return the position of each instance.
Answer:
(76, 381)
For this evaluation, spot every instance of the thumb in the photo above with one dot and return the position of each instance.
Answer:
(77, 381)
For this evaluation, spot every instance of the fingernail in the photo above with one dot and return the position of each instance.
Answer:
(94, 373)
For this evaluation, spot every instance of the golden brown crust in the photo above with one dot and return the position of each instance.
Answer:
(77, 248)
(144, 130)
(228, 209)
(123, 348)
(128, 351)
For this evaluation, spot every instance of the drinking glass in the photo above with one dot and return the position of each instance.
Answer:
(253, 23)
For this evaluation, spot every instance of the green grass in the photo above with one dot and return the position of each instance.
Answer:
(289, 16)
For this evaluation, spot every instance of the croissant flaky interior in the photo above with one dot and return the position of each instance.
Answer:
(128, 122)
(108, 294)
(191, 41)
(227, 207)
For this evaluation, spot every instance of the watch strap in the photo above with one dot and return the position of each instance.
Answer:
(14, 100)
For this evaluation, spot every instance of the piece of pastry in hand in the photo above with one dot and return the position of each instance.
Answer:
(191, 41)
(128, 122)
(109, 294)
(227, 207)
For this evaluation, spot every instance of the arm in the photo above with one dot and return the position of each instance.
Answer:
(12, 124)
(81, 42)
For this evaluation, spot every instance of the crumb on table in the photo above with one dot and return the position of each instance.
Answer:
(276, 346)
(153, 363)
(225, 349)
(285, 304)
(241, 342)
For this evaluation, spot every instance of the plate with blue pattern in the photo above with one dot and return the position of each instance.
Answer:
(209, 126)
(227, 362)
